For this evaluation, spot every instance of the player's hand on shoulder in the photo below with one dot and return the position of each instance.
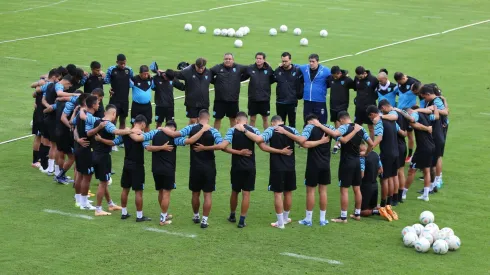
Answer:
(206, 127)
(357, 127)
(136, 131)
(240, 127)
(280, 130)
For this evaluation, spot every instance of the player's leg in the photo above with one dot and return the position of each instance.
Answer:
(206, 208)
(252, 120)
(401, 184)
(101, 190)
(232, 108)
(244, 208)
(218, 113)
(124, 203)
(358, 202)
(78, 189)
(85, 205)
(35, 151)
(159, 116)
(252, 112)
(233, 206)
(322, 192)
(192, 114)
(311, 182)
(396, 187)
(281, 110)
(411, 144)
(276, 185)
(427, 183)
(165, 218)
(196, 204)
(287, 203)
(344, 204)
(292, 115)
(138, 183)
(265, 122)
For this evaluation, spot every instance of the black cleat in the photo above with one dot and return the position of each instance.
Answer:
(143, 219)
(421, 191)
(232, 219)
(435, 189)
(335, 150)
(196, 220)
(123, 217)
(204, 225)
(421, 178)
(241, 225)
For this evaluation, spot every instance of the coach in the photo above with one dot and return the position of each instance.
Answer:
(315, 88)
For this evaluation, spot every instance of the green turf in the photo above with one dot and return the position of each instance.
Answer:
(35, 242)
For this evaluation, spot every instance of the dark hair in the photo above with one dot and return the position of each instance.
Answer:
(426, 90)
(121, 57)
(371, 109)
(54, 72)
(170, 74)
(171, 123)
(276, 118)
(182, 65)
(343, 114)
(360, 70)
(91, 101)
(310, 117)
(416, 86)
(335, 70)
(140, 119)
(434, 86)
(362, 142)
(260, 53)
(382, 103)
(62, 71)
(98, 92)
(95, 65)
(241, 114)
(71, 69)
(77, 76)
(383, 70)
(284, 54)
(81, 99)
(203, 112)
(68, 78)
(144, 69)
(110, 106)
(398, 76)
(414, 107)
(314, 56)
(201, 62)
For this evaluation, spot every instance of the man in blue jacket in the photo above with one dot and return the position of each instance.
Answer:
(315, 88)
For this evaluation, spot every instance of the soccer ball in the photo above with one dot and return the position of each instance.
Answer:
(410, 239)
(246, 29)
(303, 42)
(432, 225)
(188, 27)
(323, 33)
(453, 242)
(422, 245)
(231, 32)
(238, 43)
(426, 217)
(440, 247)
(217, 32)
(448, 232)
(432, 231)
(418, 228)
(273, 32)
(202, 29)
(224, 32)
(239, 33)
(283, 28)
(297, 31)
(428, 236)
(408, 229)
(110, 181)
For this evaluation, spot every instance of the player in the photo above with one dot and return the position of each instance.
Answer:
(349, 173)
(141, 105)
(386, 89)
(365, 86)
(94, 80)
(402, 153)
(371, 167)
(163, 85)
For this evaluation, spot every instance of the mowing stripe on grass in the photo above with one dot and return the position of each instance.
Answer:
(229, 6)
(33, 8)
(18, 58)
(311, 258)
(399, 42)
(68, 214)
(487, 114)
(151, 229)
(466, 26)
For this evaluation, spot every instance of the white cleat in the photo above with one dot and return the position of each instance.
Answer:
(88, 206)
(276, 225)
(115, 149)
(287, 221)
(404, 197)
(423, 198)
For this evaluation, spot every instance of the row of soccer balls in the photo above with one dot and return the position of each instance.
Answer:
(302, 42)
(242, 31)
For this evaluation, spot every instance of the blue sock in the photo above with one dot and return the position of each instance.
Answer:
(242, 219)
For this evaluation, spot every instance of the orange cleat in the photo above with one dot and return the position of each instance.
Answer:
(392, 213)
(166, 222)
(114, 207)
(102, 213)
(383, 213)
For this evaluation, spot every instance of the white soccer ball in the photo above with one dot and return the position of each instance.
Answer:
(432, 225)
(217, 32)
(453, 242)
(418, 228)
(188, 27)
(410, 239)
(273, 32)
(202, 29)
(432, 231)
(297, 31)
(303, 42)
(224, 32)
(440, 247)
(323, 33)
(231, 32)
(246, 29)
(428, 236)
(239, 33)
(283, 28)
(408, 229)
(238, 43)
(448, 232)
(110, 181)
(426, 217)
(422, 245)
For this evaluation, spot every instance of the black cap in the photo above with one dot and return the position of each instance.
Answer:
(182, 65)
(121, 57)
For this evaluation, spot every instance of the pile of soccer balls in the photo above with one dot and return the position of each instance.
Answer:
(426, 233)
(297, 32)
(241, 32)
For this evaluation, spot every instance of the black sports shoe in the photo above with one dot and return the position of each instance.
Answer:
(241, 225)
(421, 191)
(421, 178)
(232, 219)
(335, 150)
(123, 217)
(196, 220)
(204, 225)
(143, 219)
(435, 189)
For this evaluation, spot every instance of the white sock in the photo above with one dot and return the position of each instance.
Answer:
(280, 220)
(204, 220)
(56, 169)
(78, 198)
(139, 214)
(322, 215)
(426, 191)
(285, 215)
(124, 211)
(343, 214)
(163, 217)
(357, 211)
(111, 203)
(432, 184)
(98, 208)
(50, 165)
(309, 215)
(196, 215)
(405, 190)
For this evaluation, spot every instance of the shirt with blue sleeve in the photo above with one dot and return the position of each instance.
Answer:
(186, 130)
(58, 87)
(345, 127)
(363, 164)
(90, 121)
(379, 128)
(69, 107)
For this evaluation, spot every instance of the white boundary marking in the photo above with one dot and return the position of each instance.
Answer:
(18, 58)
(241, 4)
(147, 19)
(15, 139)
(33, 8)
(68, 214)
(399, 42)
(44, 35)
(466, 26)
(335, 58)
(151, 229)
(311, 258)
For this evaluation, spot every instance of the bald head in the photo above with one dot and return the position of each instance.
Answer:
(383, 78)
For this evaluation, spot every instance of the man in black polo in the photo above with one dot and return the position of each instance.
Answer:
(119, 76)
(365, 86)
(95, 79)
(163, 85)
(226, 79)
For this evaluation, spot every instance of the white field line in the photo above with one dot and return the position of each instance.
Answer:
(68, 214)
(335, 58)
(15, 139)
(303, 257)
(147, 19)
(33, 8)
(466, 26)
(151, 229)
(18, 58)
(44, 35)
(399, 42)
(229, 6)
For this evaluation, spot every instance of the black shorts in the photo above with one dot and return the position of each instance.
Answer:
(422, 159)
(262, 108)
(369, 194)
(334, 115)
(287, 112)
(315, 176)
(164, 182)
(202, 180)
(64, 141)
(36, 123)
(121, 106)
(133, 178)
(83, 161)
(350, 172)
(438, 152)
(402, 154)
(141, 109)
(193, 112)
(102, 166)
(164, 114)
(317, 108)
(282, 181)
(225, 108)
(242, 180)
(361, 117)
(50, 129)
(390, 166)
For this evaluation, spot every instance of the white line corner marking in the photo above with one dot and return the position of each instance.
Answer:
(311, 258)
(68, 214)
(151, 229)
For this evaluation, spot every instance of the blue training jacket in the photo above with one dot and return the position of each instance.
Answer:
(315, 90)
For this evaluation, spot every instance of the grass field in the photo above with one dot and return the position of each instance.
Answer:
(37, 35)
